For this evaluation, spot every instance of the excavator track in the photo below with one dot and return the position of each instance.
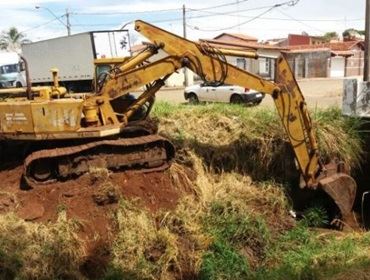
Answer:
(142, 154)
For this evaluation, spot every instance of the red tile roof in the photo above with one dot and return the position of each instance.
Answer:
(243, 37)
(240, 45)
(308, 48)
(334, 46)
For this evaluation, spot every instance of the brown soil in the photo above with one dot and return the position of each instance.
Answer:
(90, 199)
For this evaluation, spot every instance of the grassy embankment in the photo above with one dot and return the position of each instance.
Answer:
(234, 224)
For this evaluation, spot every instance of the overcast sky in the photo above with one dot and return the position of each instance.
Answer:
(252, 17)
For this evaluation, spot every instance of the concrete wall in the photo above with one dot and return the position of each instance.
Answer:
(355, 63)
(356, 98)
(309, 64)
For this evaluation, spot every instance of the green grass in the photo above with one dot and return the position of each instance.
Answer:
(236, 227)
(221, 262)
(304, 254)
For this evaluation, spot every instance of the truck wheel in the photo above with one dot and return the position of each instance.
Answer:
(193, 98)
(18, 85)
(236, 99)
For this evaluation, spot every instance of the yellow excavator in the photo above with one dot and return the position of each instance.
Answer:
(106, 129)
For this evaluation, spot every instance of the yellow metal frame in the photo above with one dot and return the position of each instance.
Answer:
(288, 98)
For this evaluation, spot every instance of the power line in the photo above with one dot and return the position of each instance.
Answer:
(234, 14)
(155, 11)
(289, 3)
(222, 5)
(301, 22)
(124, 13)
(42, 24)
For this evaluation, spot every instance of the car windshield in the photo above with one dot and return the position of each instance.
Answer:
(9, 68)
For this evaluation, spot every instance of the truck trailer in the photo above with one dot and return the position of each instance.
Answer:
(74, 57)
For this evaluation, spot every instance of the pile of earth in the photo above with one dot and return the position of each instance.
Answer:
(90, 199)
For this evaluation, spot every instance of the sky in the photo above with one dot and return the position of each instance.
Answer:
(258, 18)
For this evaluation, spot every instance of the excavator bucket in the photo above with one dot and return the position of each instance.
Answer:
(342, 188)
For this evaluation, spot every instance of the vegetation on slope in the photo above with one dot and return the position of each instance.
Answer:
(228, 226)
(252, 140)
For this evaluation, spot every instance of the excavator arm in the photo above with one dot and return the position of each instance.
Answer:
(210, 64)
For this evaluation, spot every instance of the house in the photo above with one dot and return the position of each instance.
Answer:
(297, 40)
(309, 61)
(306, 54)
(263, 66)
(347, 58)
(344, 59)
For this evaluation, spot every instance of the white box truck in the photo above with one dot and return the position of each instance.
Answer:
(74, 57)
(12, 72)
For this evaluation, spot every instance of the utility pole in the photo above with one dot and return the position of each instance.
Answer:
(367, 43)
(186, 81)
(68, 23)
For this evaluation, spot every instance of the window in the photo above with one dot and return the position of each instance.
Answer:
(264, 66)
(241, 63)
(10, 68)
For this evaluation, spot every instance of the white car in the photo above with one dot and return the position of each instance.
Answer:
(216, 92)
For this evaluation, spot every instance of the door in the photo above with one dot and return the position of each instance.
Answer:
(337, 67)
(207, 92)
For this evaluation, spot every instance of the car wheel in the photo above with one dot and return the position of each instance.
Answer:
(236, 99)
(18, 85)
(193, 98)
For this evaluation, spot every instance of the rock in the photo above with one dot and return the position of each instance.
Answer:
(107, 198)
(71, 193)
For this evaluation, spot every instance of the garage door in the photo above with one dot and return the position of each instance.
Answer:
(337, 67)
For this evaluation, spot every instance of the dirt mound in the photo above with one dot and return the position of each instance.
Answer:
(90, 199)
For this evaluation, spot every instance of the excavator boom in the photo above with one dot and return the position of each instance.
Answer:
(211, 65)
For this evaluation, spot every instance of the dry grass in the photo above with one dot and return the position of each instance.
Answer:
(37, 251)
(140, 249)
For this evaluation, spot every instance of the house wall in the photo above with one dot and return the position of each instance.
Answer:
(355, 63)
(264, 67)
(176, 79)
(309, 64)
(295, 40)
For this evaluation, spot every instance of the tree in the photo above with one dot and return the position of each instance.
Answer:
(12, 39)
(352, 34)
(328, 36)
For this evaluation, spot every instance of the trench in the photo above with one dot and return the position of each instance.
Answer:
(362, 177)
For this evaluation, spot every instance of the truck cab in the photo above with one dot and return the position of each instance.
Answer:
(12, 72)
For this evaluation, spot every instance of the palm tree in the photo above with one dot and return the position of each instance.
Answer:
(12, 39)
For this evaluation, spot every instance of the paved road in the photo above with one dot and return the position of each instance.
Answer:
(318, 93)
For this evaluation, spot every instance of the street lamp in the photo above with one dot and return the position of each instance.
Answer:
(68, 25)
(127, 23)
